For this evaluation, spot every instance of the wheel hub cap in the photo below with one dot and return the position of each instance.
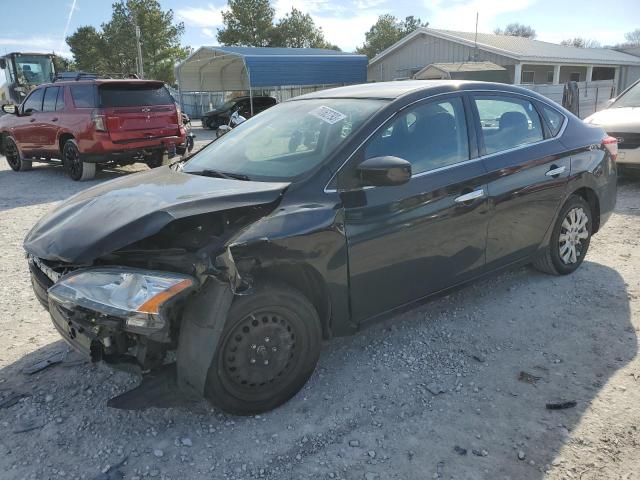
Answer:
(572, 233)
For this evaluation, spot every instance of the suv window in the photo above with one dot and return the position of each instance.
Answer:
(50, 97)
(507, 122)
(430, 136)
(554, 119)
(34, 101)
(132, 95)
(60, 101)
(83, 96)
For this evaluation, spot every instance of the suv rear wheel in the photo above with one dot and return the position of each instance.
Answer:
(158, 159)
(73, 164)
(14, 157)
(268, 350)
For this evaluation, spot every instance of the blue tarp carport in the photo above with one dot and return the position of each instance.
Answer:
(220, 69)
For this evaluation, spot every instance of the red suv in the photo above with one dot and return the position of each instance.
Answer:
(90, 121)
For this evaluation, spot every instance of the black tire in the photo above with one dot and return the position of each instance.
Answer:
(211, 123)
(268, 350)
(553, 259)
(158, 159)
(14, 157)
(72, 160)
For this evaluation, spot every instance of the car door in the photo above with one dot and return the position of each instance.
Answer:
(27, 132)
(411, 240)
(49, 118)
(528, 170)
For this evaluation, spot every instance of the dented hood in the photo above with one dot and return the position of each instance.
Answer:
(115, 214)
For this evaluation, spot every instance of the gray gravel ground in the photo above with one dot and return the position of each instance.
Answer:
(431, 393)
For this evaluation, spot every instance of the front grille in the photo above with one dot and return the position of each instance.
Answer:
(629, 140)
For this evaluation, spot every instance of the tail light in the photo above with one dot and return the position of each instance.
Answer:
(99, 122)
(611, 144)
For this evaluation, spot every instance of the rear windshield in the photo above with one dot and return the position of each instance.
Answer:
(118, 95)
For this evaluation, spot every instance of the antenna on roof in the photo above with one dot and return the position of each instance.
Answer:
(476, 40)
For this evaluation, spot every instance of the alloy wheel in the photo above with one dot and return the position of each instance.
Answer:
(572, 233)
(72, 161)
(12, 154)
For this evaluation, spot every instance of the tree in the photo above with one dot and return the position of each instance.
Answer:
(297, 29)
(386, 31)
(633, 38)
(247, 23)
(517, 30)
(113, 49)
(581, 42)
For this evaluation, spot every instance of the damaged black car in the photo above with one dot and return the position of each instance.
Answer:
(311, 220)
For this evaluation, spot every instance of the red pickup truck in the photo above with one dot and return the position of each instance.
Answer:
(90, 121)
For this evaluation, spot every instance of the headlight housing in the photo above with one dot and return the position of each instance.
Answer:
(132, 294)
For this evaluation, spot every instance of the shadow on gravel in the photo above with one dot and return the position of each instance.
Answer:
(436, 390)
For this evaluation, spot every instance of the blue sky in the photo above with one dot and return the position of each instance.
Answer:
(40, 25)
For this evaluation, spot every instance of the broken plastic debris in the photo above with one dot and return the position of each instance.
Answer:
(57, 357)
(561, 405)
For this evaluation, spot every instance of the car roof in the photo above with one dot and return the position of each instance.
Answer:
(102, 81)
(397, 89)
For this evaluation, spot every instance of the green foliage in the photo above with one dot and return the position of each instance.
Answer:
(298, 29)
(247, 23)
(113, 48)
(517, 30)
(387, 31)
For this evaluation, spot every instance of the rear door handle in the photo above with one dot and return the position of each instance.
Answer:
(32, 120)
(467, 197)
(555, 171)
(55, 119)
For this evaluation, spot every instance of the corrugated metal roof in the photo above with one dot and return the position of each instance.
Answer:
(523, 49)
(466, 66)
(238, 68)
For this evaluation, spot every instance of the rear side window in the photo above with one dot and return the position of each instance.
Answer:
(507, 122)
(430, 136)
(553, 118)
(60, 101)
(131, 95)
(83, 96)
(34, 102)
(50, 97)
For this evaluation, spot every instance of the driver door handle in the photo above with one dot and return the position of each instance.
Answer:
(555, 171)
(468, 197)
(54, 119)
(32, 120)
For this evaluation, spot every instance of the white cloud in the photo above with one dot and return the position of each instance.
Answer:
(346, 32)
(283, 7)
(210, 16)
(208, 32)
(461, 15)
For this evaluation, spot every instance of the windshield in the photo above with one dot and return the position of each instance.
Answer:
(631, 98)
(286, 140)
(33, 69)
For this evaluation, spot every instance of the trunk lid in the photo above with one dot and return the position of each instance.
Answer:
(137, 111)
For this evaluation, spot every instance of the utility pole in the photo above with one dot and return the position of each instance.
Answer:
(139, 47)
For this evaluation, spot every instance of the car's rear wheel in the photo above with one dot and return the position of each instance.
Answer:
(211, 123)
(269, 348)
(569, 240)
(73, 164)
(14, 156)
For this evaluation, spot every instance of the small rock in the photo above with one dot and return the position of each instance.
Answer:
(158, 453)
(186, 441)
(371, 453)
(354, 443)
(436, 388)
(459, 450)
(521, 455)
(48, 398)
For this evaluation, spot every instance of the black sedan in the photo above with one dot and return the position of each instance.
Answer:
(312, 220)
(220, 115)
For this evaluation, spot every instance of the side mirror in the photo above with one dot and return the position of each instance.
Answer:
(385, 171)
(9, 108)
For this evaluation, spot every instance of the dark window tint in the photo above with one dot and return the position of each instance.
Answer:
(34, 102)
(554, 119)
(83, 96)
(50, 97)
(60, 101)
(507, 122)
(131, 95)
(430, 136)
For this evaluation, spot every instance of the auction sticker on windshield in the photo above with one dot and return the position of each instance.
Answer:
(328, 115)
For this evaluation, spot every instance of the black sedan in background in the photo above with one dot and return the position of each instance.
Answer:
(220, 115)
(313, 219)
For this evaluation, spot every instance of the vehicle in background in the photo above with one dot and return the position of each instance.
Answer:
(313, 219)
(621, 119)
(89, 121)
(220, 115)
(235, 119)
(23, 72)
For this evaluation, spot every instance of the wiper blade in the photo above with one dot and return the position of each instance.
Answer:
(219, 174)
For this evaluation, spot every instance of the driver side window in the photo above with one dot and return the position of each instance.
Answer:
(34, 101)
(430, 136)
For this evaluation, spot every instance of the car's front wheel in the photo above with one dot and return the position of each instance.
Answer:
(569, 240)
(14, 156)
(73, 164)
(269, 348)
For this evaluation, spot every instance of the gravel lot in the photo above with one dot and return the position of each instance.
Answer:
(436, 392)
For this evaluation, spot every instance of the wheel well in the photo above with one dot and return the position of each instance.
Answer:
(591, 198)
(63, 139)
(309, 282)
